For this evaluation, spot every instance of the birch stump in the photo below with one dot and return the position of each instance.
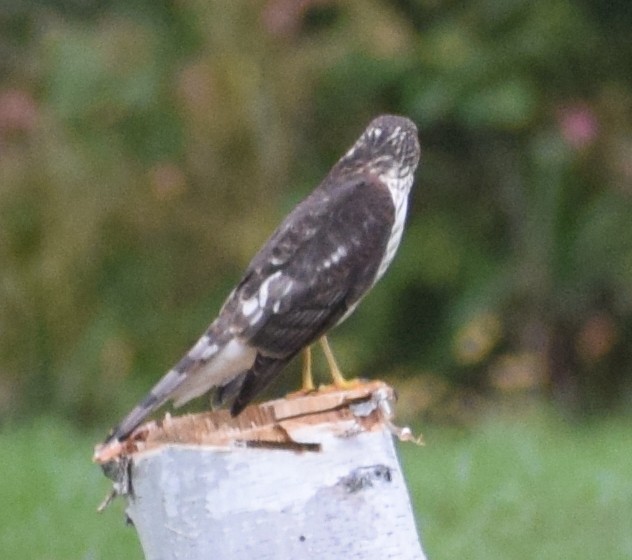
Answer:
(310, 477)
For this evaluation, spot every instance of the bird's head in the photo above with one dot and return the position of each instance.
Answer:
(389, 147)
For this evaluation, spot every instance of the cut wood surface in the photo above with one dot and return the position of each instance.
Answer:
(308, 476)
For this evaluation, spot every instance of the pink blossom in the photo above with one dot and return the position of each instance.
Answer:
(18, 111)
(578, 125)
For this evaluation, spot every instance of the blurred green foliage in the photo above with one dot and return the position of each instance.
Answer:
(148, 148)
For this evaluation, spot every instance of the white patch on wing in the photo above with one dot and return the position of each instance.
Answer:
(264, 289)
(233, 359)
(339, 253)
(335, 257)
(288, 288)
(255, 318)
(249, 306)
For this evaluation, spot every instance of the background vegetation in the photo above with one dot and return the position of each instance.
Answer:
(148, 147)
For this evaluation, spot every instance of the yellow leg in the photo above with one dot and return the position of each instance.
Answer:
(308, 379)
(334, 370)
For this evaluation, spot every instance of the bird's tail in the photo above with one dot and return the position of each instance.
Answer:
(212, 359)
(204, 351)
(158, 396)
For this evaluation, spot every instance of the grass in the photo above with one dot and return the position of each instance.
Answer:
(49, 492)
(523, 488)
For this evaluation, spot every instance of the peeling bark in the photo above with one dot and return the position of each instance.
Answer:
(313, 476)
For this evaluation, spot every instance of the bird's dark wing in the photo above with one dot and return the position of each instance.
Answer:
(319, 263)
(331, 252)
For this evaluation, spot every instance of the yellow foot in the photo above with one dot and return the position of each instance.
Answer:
(338, 379)
(339, 383)
(308, 379)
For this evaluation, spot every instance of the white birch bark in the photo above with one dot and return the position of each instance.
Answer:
(314, 477)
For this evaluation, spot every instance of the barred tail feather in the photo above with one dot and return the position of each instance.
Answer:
(228, 362)
(158, 396)
(207, 365)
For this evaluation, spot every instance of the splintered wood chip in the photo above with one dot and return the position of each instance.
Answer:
(363, 406)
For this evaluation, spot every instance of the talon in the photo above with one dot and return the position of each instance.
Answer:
(336, 375)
